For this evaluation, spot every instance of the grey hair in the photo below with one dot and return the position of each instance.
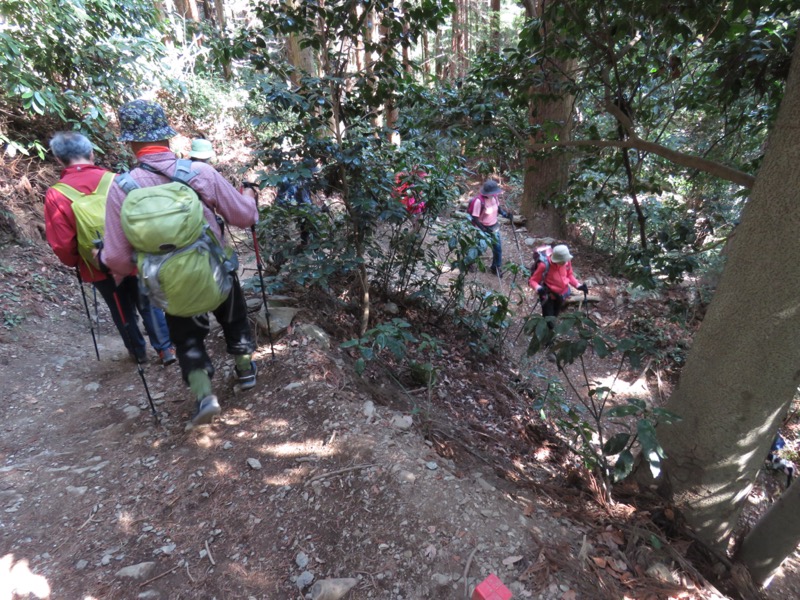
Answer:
(68, 146)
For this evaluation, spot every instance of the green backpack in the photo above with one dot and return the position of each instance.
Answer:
(90, 216)
(183, 268)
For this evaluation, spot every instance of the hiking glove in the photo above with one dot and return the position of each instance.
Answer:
(583, 288)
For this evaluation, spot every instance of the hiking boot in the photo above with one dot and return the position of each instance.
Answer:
(247, 379)
(167, 356)
(207, 409)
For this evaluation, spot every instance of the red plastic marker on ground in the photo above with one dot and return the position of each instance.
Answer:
(491, 588)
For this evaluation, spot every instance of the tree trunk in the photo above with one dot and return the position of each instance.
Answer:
(545, 178)
(302, 59)
(437, 52)
(742, 372)
(494, 19)
(187, 9)
(426, 55)
(456, 41)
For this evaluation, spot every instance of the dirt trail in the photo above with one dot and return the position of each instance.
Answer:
(300, 480)
(314, 474)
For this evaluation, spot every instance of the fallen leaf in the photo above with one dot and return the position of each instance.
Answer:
(429, 552)
(510, 560)
(599, 561)
(618, 565)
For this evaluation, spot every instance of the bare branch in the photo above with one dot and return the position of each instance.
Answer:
(679, 158)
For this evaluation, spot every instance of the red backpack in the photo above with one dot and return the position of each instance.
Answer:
(471, 204)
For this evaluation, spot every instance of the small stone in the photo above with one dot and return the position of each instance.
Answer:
(254, 464)
(332, 589)
(227, 446)
(140, 571)
(432, 465)
(402, 422)
(168, 549)
(661, 572)
(315, 333)
(440, 579)
(391, 308)
(301, 560)
(92, 387)
(81, 565)
(404, 476)
(131, 412)
(306, 579)
(77, 491)
(369, 410)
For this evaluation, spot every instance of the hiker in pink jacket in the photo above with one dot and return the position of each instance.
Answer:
(144, 125)
(551, 280)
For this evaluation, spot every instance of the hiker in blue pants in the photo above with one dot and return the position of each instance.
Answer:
(81, 178)
(483, 209)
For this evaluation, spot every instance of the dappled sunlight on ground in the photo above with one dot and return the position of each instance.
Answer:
(16, 579)
(296, 449)
(623, 390)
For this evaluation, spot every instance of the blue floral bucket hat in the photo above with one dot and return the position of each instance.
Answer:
(143, 121)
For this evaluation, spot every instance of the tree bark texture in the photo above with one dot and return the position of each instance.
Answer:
(547, 177)
(742, 370)
(494, 16)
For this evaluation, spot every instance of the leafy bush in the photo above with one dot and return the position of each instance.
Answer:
(70, 59)
(595, 430)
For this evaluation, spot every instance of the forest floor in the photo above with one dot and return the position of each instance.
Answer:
(315, 474)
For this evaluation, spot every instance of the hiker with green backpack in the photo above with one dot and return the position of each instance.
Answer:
(162, 216)
(74, 217)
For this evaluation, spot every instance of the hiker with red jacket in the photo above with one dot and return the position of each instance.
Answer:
(74, 152)
(551, 280)
(405, 191)
(483, 209)
(144, 125)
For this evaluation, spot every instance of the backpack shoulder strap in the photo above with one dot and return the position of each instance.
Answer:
(105, 184)
(68, 191)
(102, 187)
(183, 171)
(127, 183)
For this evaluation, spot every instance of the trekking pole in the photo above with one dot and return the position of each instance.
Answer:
(535, 304)
(96, 315)
(88, 314)
(138, 365)
(263, 290)
(514, 231)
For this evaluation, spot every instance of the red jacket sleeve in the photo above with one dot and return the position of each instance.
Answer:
(536, 278)
(60, 227)
(571, 276)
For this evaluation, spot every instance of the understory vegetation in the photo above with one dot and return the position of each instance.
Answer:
(647, 172)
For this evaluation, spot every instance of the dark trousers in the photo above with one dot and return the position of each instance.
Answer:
(551, 306)
(189, 333)
(132, 302)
